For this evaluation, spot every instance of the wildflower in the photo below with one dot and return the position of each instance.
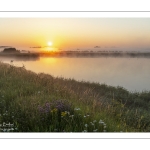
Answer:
(77, 109)
(4, 130)
(47, 105)
(104, 126)
(87, 115)
(71, 116)
(84, 131)
(67, 112)
(84, 116)
(8, 130)
(63, 114)
(94, 121)
(86, 125)
(101, 122)
(54, 110)
(95, 130)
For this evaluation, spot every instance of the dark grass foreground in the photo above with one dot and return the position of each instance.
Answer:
(31, 102)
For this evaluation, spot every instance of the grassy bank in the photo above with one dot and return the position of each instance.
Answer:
(31, 102)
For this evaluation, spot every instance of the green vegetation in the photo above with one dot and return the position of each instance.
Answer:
(31, 102)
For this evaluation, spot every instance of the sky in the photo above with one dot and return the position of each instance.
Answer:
(76, 33)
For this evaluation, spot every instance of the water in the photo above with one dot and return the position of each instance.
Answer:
(131, 73)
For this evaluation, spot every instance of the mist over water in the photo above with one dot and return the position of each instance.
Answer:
(131, 73)
(94, 48)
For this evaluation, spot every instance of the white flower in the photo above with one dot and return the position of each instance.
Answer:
(84, 131)
(94, 121)
(95, 130)
(71, 116)
(101, 122)
(77, 109)
(4, 130)
(86, 125)
(67, 112)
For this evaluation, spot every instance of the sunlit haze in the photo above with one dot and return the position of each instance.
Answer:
(76, 33)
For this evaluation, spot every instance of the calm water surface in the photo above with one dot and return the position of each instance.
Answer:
(130, 73)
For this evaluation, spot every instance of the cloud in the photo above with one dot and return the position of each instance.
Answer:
(97, 47)
(4, 46)
(36, 47)
(39, 46)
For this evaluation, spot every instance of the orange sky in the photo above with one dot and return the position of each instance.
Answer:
(67, 33)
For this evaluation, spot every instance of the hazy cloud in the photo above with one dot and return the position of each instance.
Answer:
(39, 46)
(36, 47)
(4, 46)
(97, 47)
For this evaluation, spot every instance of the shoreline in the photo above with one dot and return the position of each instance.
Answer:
(79, 54)
(23, 92)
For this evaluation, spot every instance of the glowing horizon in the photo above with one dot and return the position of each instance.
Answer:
(65, 33)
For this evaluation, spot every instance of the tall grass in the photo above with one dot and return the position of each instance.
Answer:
(31, 102)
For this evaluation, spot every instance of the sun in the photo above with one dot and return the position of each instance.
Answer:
(49, 43)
